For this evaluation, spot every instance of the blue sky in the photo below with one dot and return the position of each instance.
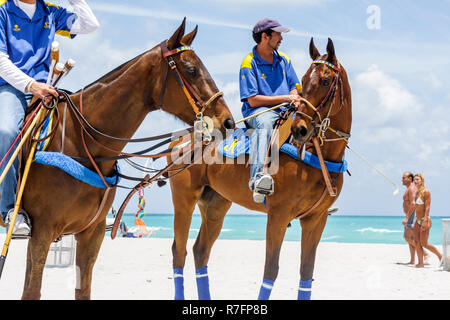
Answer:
(397, 58)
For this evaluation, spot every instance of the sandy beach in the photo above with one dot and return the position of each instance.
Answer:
(141, 269)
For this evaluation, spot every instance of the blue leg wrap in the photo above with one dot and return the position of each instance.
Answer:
(203, 283)
(304, 290)
(179, 283)
(266, 289)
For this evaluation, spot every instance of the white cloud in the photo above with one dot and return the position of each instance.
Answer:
(433, 80)
(379, 99)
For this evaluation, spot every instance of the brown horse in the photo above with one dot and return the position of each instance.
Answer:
(214, 187)
(116, 105)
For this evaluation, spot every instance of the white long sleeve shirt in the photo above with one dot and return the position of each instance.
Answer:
(85, 23)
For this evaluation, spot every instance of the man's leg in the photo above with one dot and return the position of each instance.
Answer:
(409, 238)
(259, 144)
(12, 106)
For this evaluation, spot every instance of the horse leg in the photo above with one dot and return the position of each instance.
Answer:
(88, 246)
(213, 208)
(276, 229)
(38, 246)
(184, 200)
(312, 228)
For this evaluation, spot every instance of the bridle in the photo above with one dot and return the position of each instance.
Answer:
(322, 125)
(203, 124)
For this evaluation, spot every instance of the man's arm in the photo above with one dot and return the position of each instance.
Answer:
(19, 80)
(264, 101)
(411, 199)
(86, 21)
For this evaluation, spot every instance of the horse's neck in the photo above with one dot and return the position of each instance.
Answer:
(118, 105)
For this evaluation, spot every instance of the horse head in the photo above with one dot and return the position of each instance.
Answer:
(189, 92)
(326, 93)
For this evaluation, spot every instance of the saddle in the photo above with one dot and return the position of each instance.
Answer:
(238, 144)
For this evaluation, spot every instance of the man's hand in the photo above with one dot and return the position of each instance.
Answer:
(405, 221)
(293, 97)
(40, 90)
(295, 100)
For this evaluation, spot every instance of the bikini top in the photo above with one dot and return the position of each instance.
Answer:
(419, 201)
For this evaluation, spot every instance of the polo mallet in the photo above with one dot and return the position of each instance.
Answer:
(54, 59)
(62, 70)
(20, 193)
(396, 191)
(57, 73)
(70, 63)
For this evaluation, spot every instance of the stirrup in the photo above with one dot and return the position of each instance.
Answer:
(26, 221)
(21, 237)
(263, 184)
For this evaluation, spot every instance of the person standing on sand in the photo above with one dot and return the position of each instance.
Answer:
(423, 221)
(409, 210)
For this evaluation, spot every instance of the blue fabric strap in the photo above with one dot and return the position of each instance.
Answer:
(203, 283)
(304, 290)
(266, 289)
(178, 280)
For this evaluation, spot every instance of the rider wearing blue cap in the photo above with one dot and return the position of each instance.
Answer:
(267, 78)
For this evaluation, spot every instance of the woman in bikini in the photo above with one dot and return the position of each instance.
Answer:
(423, 220)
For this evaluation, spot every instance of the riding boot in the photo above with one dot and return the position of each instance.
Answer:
(22, 225)
(263, 186)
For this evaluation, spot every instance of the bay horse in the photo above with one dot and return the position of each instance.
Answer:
(115, 105)
(300, 190)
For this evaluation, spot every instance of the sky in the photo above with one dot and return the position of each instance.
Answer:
(396, 53)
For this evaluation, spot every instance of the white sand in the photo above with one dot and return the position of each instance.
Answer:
(142, 269)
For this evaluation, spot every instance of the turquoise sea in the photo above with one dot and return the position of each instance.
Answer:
(349, 229)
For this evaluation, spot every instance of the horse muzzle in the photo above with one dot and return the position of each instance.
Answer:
(228, 124)
(300, 132)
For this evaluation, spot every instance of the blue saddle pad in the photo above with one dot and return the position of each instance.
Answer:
(74, 168)
(239, 143)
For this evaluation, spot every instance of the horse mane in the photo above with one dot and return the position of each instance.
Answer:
(111, 76)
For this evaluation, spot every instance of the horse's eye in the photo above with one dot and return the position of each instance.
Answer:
(325, 82)
(192, 71)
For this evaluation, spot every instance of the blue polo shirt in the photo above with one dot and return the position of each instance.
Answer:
(28, 41)
(258, 76)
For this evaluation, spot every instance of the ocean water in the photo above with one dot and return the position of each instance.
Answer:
(348, 229)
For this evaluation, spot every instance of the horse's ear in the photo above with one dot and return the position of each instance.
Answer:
(313, 52)
(330, 51)
(187, 39)
(175, 39)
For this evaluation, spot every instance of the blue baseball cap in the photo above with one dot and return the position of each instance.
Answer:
(268, 23)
